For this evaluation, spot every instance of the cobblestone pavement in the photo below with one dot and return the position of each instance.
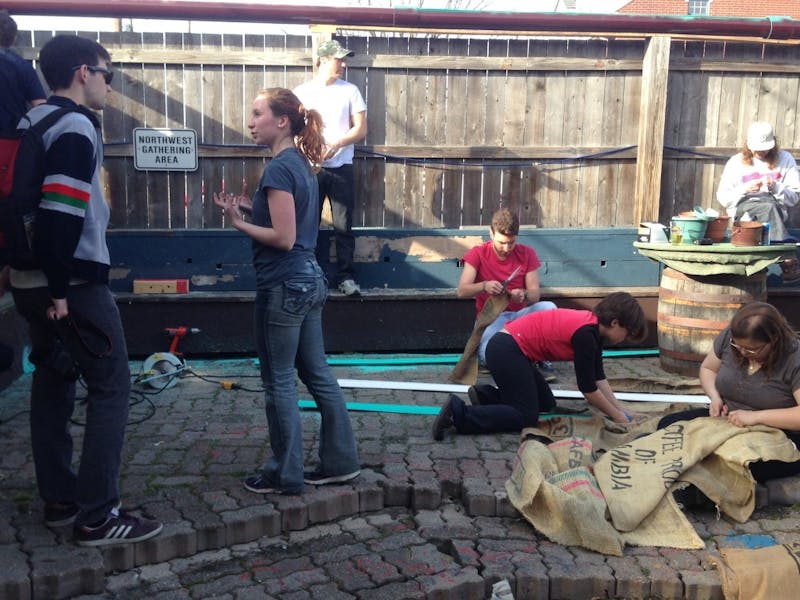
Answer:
(424, 520)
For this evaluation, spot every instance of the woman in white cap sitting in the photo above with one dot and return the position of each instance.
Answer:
(762, 181)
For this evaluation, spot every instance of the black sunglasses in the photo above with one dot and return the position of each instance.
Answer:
(108, 74)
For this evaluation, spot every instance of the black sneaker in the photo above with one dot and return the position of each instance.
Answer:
(317, 478)
(261, 484)
(474, 396)
(119, 528)
(57, 514)
(444, 420)
(482, 394)
(547, 370)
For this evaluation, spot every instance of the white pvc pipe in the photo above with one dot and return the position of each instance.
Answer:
(462, 389)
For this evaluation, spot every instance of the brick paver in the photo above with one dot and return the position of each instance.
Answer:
(425, 519)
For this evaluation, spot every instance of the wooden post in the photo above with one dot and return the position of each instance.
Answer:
(652, 115)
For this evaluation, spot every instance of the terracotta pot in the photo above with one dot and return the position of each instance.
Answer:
(746, 233)
(717, 229)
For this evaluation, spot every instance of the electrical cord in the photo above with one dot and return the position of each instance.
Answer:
(141, 396)
(226, 384)
(12, 417)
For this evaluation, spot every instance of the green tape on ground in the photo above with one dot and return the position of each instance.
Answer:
(447, 359)
(407, 409)
(396, 360)
(632, 352)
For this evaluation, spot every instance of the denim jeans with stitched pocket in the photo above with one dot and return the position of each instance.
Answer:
(288, 326)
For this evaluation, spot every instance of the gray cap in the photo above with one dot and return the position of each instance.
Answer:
(334, 49)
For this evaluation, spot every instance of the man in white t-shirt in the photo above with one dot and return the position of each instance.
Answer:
(344, 116)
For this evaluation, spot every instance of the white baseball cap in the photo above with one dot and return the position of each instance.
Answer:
(760, 137)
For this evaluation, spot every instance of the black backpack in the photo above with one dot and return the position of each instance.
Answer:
(22, 168)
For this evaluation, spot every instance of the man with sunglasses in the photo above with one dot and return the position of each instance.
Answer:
(74, 324)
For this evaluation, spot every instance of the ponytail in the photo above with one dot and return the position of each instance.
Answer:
(309, 141)
(306, 125)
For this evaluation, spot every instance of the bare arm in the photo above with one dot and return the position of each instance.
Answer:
(531, 294)
(708, 378)
(467, 286)
(281, 235)
(782, 418)
(603, 399)
(356, 133)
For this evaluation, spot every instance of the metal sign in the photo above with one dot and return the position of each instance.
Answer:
(164, 149)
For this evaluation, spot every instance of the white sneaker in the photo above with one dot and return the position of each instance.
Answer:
(349, 288)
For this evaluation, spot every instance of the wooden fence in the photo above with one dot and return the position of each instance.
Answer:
(548, 127)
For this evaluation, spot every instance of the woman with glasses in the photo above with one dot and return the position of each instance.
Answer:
(752, 377)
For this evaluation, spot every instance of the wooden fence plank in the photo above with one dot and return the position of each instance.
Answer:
(474, 211)
(626, 188)
(416, 199)
(651, 129)
(371, 170)
(396, 84)
(452, 177)
(533, 179)
(193, 119)
(135, 115)
(212, 92)
(175, 119)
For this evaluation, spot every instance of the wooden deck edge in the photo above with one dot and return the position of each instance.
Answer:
(387, 294)
(548, 293)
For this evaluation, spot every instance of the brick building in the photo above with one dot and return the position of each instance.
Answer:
(715, 8)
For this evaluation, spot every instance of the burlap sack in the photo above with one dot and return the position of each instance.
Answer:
(724, 476)
(466, 369)
(566, 506)
(634, 477)
(770, 573)
(625, 497)
(602, 432)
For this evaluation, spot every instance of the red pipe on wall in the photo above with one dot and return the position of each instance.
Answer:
(767, 27)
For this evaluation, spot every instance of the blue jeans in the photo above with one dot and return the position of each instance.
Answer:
(288, 331)
(507, 317)
(338, 185)
(97, 344)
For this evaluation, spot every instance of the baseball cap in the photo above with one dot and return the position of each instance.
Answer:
(760, 137)
(334, 49)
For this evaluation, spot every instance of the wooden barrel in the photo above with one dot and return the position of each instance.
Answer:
(693, 309)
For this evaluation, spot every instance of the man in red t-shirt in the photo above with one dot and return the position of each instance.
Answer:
(488, 265)
(521, 392)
